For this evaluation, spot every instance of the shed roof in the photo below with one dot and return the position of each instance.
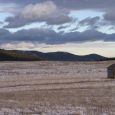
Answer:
(111, 66)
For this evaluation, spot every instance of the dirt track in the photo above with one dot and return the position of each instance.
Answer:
(56, 88)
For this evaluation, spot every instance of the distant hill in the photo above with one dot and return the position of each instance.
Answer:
(18, 55)
(109, 59)
(64, 56)
(14, 55)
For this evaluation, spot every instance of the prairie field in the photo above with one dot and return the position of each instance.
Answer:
(56, 88)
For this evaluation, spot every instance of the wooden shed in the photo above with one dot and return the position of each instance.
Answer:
(111, 71)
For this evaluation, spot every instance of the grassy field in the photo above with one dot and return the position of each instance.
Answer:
(56, 88)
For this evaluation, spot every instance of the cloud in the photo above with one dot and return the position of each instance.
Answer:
(40, 35)
(9, 8)
(62, 27)
(49, 36)
(90, 22)
(1, 22)
(3, 31)
(88, 35)
(73, 4)
(5, 35)
(55, 12)
(98, 5)
(110, 17)
(18, 45)
(40, 12)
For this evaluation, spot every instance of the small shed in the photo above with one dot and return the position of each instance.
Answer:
(111, 71)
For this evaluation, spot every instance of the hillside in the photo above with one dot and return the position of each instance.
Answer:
(64, 56)
(13, 55)
(18, 55)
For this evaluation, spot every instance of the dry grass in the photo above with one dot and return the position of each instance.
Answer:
(56, 88)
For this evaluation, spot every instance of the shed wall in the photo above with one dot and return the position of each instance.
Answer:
(111, 73)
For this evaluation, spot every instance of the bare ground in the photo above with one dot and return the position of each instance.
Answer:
(56, 88)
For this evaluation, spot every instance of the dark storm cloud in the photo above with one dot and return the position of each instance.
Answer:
(88, 35)
(49, 36)
(40, 35)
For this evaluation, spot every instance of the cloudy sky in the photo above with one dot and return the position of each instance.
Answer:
(76, 26)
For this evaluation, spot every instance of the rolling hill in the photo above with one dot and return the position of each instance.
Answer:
(14, 55)
(18, 55)
(64, 56)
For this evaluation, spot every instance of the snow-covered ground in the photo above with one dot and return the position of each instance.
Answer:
(56, 88)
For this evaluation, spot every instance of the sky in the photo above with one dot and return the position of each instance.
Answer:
(80, 27)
